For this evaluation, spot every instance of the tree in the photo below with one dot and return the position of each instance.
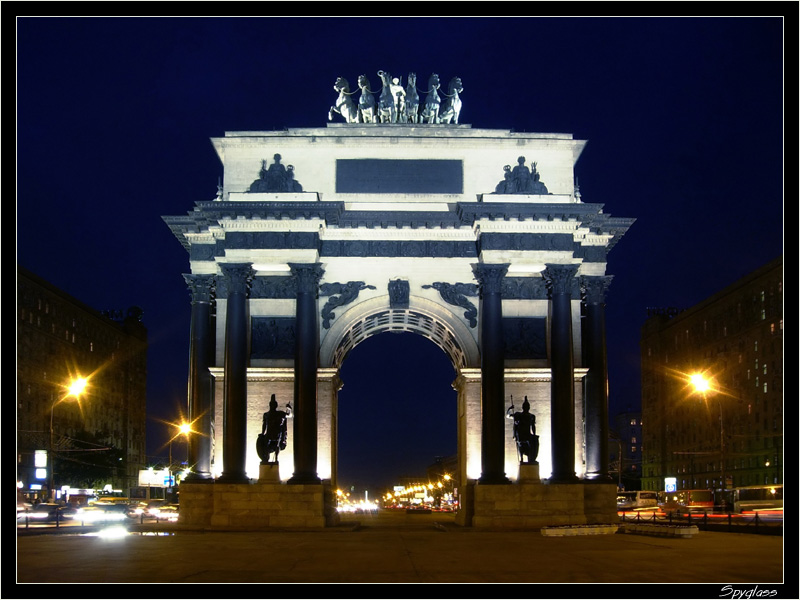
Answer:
(88, 460)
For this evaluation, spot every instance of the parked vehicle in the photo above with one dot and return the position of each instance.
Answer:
(637, 500)
(687, 500)
(757, 497)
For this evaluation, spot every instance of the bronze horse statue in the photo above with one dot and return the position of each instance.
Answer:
(387, 109)
(452, 106)
(412, 99)
(344, 104)
(430, 111)
(366, 103)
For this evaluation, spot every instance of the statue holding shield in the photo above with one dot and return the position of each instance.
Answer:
(525, 432)
(274, 432)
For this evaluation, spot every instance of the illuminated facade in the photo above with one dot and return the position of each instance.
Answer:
(322, 237)
(735, 429)
(59, 339)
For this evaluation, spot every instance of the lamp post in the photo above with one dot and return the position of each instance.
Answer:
(76, 387)
(703, 386)
(184, 429)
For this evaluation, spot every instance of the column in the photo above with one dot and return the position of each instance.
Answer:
(596, 381)
(559, 279)
(490, 278)
(234, 432)
(201, 383)
(304, 438)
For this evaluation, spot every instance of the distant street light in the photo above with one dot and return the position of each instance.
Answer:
(184, 429)
(75, 388)
(702, 385)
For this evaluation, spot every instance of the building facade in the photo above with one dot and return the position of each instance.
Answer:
(625, 450)
(731, 434)
(59, 340)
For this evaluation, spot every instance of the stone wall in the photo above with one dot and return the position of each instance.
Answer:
(233, 506)
(533, 506)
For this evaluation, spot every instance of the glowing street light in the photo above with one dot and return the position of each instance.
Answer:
(184, 429)
(75, 388)
(702, 385)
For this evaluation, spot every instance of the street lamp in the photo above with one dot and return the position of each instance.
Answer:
(184, 429)
(703, 386)
(75, 388)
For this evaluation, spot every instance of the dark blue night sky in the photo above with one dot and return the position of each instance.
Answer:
(684, 118)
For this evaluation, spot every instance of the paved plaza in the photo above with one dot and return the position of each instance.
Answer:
(411, 549)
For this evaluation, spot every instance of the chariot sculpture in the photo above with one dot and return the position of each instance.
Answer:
(396, 104)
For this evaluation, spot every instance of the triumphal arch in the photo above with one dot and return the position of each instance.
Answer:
(405, 221)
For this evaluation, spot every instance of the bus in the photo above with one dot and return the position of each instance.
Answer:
(691, 500)
(757, 497)
(637, 500)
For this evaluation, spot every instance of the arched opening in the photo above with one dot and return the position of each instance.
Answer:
(397, 411)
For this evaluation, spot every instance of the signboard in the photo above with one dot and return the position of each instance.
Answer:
(155, 478)
(670, 484)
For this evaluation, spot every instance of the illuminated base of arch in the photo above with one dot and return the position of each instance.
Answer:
(256, 506)
(537, 505)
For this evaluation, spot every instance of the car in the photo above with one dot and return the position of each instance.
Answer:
(47, 511)
(103, 513)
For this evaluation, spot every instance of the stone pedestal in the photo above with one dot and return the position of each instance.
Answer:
(529, 473)
(256, 506)
(538, 505)
(269, 473)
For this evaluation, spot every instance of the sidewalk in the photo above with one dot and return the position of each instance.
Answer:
(416, 552)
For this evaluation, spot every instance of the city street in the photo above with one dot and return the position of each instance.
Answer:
(398, 547)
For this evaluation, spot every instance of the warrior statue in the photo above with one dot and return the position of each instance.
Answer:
(272, 438)
(525, 433)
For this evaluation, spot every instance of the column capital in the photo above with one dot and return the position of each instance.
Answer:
(201, 287)
(238, 276)
(594, 288)
(559, 278)
(490, 276)
(307, 276)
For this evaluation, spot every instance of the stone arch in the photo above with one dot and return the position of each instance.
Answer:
(422, 316)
